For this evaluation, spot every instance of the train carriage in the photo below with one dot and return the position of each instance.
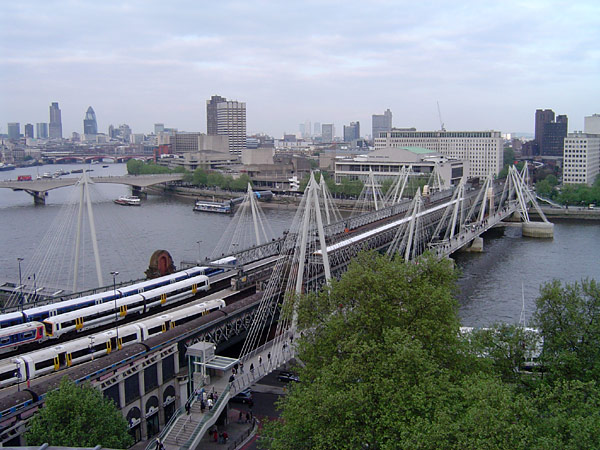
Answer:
(12, 337)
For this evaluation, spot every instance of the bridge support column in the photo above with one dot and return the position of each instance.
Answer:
(475, 246)
(542, 230)
(137, 191)
(39, 198)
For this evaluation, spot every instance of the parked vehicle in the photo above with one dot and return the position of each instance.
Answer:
(286, 376)
(24, 178)
(244, 396)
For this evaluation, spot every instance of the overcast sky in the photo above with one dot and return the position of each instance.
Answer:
(490, 64)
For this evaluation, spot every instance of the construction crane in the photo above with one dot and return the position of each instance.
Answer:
(440, 114)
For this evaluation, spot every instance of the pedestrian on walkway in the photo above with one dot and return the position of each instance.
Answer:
(240, 417)
(252, 368)
(187, 408)
(215, 434)
(247, 417)
(225, 437)
(202, 406)
(259, 360)
(210, 404)
(269, 358)
(241, 367)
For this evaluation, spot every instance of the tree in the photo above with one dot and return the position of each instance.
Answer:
(569, 319)
(78, 416)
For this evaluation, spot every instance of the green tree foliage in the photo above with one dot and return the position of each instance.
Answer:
(78, 416)
(384, 367)
(509, 156)
(137, 167)
(569, 318)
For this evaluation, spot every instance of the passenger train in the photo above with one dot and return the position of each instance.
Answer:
(95, 310)
(51, 359)
(40, 313)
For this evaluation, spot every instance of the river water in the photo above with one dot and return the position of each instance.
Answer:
(494, 285)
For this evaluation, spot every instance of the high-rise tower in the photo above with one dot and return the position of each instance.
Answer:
(55, 128)
(227, 118)
(381, 122)
(90, 126)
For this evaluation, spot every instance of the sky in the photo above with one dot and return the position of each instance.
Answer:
(489, 64)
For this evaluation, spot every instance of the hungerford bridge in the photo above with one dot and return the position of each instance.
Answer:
(319, 247)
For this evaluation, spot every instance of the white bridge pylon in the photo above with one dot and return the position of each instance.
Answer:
(462, 220)
(298, 269)
(248, 228)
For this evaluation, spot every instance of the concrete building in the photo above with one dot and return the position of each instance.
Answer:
(55, 128)
(386, 163)
(327, 132)
(41, 130)
(14, 130)
(211, 114)
(381, 123)
(29, 130)
(591, 124)
(159, 128)
(483, 150)
(230, 119)
(90, 126)
(550, 132)
(581, 163)
(352, 132)
(317, 128)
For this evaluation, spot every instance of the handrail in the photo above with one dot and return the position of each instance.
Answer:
(223, 398)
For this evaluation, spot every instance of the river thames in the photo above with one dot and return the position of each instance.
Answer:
(494, 285)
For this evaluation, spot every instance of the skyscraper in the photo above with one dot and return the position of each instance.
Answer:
(352, 132)
(591, 124)
(41, 130)
(14, 130)
(230, 119)
(90, 126)
(381, 122)
(553, 137)
(55, 122)
(211, 114)
(317, 128)
(327, 132)
(29, 130)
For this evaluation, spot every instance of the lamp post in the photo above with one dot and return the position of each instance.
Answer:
(92, 346)
(199, 242)
(20, 283)
(114, 275)
(18, 375)
(34, 288)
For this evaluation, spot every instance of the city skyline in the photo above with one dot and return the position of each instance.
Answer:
(490, 66)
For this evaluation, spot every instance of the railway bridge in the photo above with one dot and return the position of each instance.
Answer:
(316, 248)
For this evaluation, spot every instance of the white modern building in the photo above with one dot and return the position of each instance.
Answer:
(387, 163)
(482, 149)
(581, 158)
(591, 124)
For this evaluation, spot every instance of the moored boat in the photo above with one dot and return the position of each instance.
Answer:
(128, 200)
(223, 208)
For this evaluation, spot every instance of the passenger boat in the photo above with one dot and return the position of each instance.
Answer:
(77, 171)
(128, 200)
(223, 208)
(4, 167)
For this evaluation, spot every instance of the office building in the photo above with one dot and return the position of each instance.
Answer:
(381, 123)
(352, 132)
(55, 128)
(317, 129)
(41, 130)
(211, 114)
(591, 124)
(227, 118)
(482, 149)
(159, 128)
(327, 132)
(581, 163)
(387, 163)
(90, 126)
(14, 130)
(550, 133)
(186, 142)
(29, 130)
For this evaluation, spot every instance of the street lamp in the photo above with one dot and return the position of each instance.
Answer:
(34, 288)
(20, 283)
(114, 275)
(199, 242)
(92, 346)
(18, 374)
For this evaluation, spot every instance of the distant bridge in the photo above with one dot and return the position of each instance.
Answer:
(38, 188)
